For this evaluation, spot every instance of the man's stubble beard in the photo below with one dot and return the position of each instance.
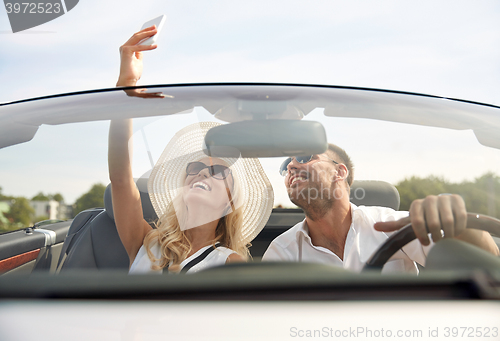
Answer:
(315, 207)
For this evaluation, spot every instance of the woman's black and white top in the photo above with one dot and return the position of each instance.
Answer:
(142, 264)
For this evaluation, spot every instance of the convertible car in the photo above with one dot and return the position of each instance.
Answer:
(64, 272)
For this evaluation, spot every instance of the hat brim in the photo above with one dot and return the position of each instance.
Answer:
(255, 195)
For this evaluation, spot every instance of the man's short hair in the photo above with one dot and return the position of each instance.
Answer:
(340, 155)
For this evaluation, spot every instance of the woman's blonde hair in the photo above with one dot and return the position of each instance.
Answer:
(174, 244)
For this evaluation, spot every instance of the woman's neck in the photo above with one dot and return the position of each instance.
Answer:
(201, 235)
(201, 215)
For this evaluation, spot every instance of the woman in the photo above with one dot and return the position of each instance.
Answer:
(209, 208)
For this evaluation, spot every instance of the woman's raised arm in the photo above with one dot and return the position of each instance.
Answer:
(127, 207)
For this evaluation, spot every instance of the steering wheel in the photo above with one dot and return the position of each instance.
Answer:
(405, 235)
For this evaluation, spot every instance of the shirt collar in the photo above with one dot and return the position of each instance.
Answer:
(303, 231)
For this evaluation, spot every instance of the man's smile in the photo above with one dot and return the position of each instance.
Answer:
(297, 178)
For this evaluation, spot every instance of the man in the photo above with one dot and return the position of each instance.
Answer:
(338, 232)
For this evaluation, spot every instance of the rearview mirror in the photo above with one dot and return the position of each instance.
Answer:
(266, 138)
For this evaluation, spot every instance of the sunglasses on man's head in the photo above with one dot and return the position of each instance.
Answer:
(301, 160)
(219, 172)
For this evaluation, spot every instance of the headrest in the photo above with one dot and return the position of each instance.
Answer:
(374, 193)
(363, 193)
(147, 208)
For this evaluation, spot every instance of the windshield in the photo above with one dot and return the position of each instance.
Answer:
(402, 139)
(412, 145)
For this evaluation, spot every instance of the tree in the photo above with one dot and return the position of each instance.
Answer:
(418, 188)
(40, 197)
(91, 199)
(57, 197)
(479, 195)
(20, 212)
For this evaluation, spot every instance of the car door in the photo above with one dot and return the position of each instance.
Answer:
(32, 249)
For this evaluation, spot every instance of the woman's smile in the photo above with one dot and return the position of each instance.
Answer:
(203, 185)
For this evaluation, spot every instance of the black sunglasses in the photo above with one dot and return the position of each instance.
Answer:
(301, 160)
(219, 172)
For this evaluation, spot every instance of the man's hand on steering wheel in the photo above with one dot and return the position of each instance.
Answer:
(431, 215)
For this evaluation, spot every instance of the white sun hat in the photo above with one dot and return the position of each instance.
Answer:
(253, 193)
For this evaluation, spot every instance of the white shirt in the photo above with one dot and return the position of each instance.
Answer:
(362, 241)
(142, 263)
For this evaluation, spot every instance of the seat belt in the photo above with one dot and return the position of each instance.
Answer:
(197, 259)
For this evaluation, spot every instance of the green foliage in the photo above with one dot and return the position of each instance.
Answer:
(418, 188)
(91, 199)
(17, 213)
(42, 197)
(481, 195)
(4, 222)
(4, 227)
(58, 197)
(20, 213)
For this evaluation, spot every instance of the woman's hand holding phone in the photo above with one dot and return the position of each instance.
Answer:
(131, 57)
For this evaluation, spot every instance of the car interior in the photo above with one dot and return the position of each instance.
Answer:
(92, 241)
(75, 249)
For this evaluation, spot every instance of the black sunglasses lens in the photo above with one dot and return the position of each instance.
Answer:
(194, 168)
(300, 159)
(219, 171)
(303, 159)
(284, 166)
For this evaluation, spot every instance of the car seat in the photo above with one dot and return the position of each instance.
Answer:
(374, 193)
(93, 242)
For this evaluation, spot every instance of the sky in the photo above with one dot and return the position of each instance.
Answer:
(444, 48)
(449, 48)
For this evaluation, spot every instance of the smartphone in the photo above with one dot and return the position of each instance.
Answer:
(159, 24)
